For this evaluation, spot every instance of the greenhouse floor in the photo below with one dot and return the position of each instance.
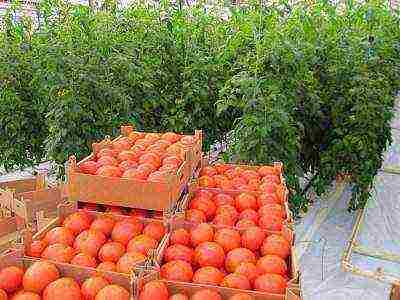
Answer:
(321, 237)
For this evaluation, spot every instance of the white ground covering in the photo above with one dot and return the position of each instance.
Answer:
(321, 238)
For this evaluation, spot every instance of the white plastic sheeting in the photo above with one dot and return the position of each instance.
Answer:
(321, 237)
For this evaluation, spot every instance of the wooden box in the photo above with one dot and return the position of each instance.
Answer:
(130, 192)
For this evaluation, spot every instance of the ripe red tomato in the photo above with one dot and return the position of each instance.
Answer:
(84, 260)
(206, 294)
(271, 283)
(236, 281)
(237, 256)
(154, 230)
(78, 222)
(126, 165)
(272, 264)
(114, 292)
(36, 248)
(89, 242)
(107, 266)
(223, 199)
(179, 297)
(249, 214)
(127, 155)
(208, 171)
(272, 209)
(266, 170)
(177, 270)
(206, 181)
(208, 275)
(179, 252)
(126, 230)
(128, 261)
(223, 220)
(253, 237)
(250, 174)
(135, 135)
(104, 224)
(265, 199)
(270, 222)
(154, 290)
(39, 275)
(241, 296)
(195, 216)
(92, 286)
(171, 137)
(276, 245)
(172, 160)
(202, 233)
(228, 210)
(249, 270)
(228, 238)
(222, 168)
(11, 278)
(63, 288)
(111, 252)
(107, 161)
(88, 167)
(59, 235)
(180, 236)
(22, 295)
(206, 206)
(245, 201)
(142, 243)
(59, 253)
(244, 224)
(209, 254)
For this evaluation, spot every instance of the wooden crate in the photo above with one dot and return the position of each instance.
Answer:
(226, 293)
(44, 203)
(65, 210)
(395, 292)
(15, 258)
(277, 166)
(9, 189)
(129, 192)
(293, 285)
(8, 232)
(26, 199)
(292, 291)
(193, 187)
(11, 224)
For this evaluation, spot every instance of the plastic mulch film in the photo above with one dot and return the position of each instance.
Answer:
(321, 237)
(374, 250)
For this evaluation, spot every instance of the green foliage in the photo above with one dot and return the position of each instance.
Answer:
(310, 86)
(317, 91)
